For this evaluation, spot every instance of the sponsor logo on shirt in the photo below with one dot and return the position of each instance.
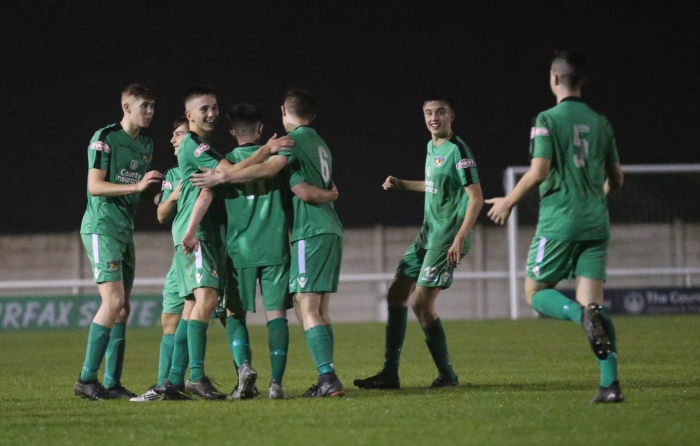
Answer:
(466, 162)
(302, 281)
(439, 160)
(100, 146)
(200, 149)
(430, 187)
(427, 171)
(539, 131)
(134, 165)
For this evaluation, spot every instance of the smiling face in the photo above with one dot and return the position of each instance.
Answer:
(438, 118)
(139, 110)
(202, 112)
(178, 134)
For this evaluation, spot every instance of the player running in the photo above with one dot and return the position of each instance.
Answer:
(119, 159)
(173, 304)
(453, 200)
(576, 166)
(316, 231)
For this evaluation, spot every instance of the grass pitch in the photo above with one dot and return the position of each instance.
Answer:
(530, 383)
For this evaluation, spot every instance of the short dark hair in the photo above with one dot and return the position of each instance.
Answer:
(440, 98)
(243, 118)
(181, 121)
(299, 102)
(570, 65)
(198, 91)
(139, 92)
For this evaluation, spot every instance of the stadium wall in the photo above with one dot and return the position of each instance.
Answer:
(373, 250)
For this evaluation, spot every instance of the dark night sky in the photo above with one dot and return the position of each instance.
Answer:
(369, 64)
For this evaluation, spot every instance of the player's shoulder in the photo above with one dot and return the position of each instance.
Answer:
(101, 139)
(173, 172)
(460, 148)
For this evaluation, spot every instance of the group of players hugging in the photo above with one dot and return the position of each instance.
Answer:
(263, 216)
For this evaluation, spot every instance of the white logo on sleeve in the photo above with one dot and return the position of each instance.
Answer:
(200, 149)
(302, 281)
(539, 131)
(100, 146)
(466, 162)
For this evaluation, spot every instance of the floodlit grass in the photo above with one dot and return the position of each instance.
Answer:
(530, 383)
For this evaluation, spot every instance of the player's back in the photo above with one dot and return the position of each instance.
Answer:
(311, 162)
(580, 144)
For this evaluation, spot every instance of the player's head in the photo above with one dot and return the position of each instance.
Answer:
(568, 70)
(438, 111)
(138, 104)
(180, 129)
(298, 108)
(245, 122)
(201, 109)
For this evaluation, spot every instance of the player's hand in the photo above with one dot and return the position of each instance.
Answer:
(190, 243)
(175, 194)
(334, 191)
(392, 183)
(276, 144)
(500, 211)
(208, 178)
(454, 254)
(152, 177)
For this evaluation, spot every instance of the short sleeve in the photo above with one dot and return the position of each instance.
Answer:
(467, 171)
(612, 156)
(205, 156)
(295, 177)
(168, 186)
(99, 155)
(540, 138)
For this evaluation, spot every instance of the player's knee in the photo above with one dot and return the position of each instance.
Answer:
(397, 294)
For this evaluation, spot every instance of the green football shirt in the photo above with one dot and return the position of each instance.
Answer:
(580, 144)
(449, 168)
(259, 214)
(311, 161)
(194, 152)
(126, 161)
(170, 182)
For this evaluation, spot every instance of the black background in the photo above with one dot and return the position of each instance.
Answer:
(369, 64)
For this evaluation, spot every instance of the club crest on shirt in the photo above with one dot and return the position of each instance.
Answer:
(100, 146)
(134, 165)
(439, 160)
(466, 162)
(145, 157)
(200, 149)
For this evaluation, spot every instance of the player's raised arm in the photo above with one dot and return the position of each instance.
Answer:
(476, 202)
(314, 195)
(393, 183)
(536, 174)
(228, 173)
(168, 208)
(98, 187)
(189, 240)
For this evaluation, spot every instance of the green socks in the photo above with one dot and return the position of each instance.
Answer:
(238, 341)
(320, 348)
(197, 343)
(555, 305)
(114, 356)
(181, 354)
(166, 357)
(329, 328)
(278, 341)
(393, 341)
(608, 367)
(98, 338)
(437, 344)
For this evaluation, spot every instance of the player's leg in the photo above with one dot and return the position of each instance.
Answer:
(105, 257)
(205, 303)
(240, 298)
(550, 261)
(436, 275)
(274, 287)
(174, 386)
(114, 356)
(399, 292)
(591, 274)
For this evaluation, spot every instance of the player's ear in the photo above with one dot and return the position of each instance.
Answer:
(260, 128)
(126, 107)
(284, 111)
(188, 115)
(232, 132)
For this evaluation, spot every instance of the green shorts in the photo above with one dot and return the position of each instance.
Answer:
(428, 267)
(172, 302)
(203, 268)
(111, 260)
(274, 287)
(550, 261)
(315, 265)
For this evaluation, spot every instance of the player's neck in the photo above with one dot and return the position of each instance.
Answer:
(440, 139)
(252, 139)
(130, 128)
(564, 93)
(200, 132)
(295, 124)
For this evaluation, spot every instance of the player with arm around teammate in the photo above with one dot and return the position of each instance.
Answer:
(453, 200)
(576, 166)
(119, 161)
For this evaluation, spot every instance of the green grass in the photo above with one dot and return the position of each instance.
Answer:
(531, 382)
